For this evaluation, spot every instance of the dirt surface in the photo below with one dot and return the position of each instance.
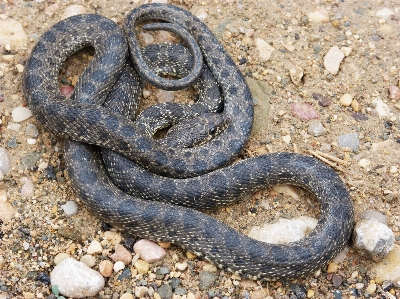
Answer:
(370, 170)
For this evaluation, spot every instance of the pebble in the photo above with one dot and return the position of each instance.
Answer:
(310, 293)
(337, 280)
(106, 268)
(5, 161)
(359, 285)
(381, 108)
(14, 127)
(70, 208)
(346, 50)
(121, 254)
(355, 105)
(316, 129)
(209, 267)
(73, 10)
(27, 189)
(321, 15)
(12, 33)
(364, 163)
(304, 111)
(165, 291)
(149, 251)
(206, 280)
(95, 248)
(127, 296)
(332, 267)
(284, 230)
(373, 239)
(323, 101)
(346, 99)
(2, 262)
(75, 279)
(394, 93)
(264, 49)
(118, 266)
(371, 288)
(287, 139)
(20, 114)
(384, 13)
(333, 59)
(88, 260)
(296, 74)
(372, 214)
(389, 268)
(165, 96)
(60, 257)
(350, 141)
(7, 211)
(141, 266)
(181, 266)
(113, 237)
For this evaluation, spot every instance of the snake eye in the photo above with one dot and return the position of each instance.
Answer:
(213, 131)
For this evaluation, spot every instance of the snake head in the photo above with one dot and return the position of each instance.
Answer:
(196, 131)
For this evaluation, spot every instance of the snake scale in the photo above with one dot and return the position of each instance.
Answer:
(198, 177)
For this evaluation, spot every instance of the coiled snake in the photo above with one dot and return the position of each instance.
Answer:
(198, 182)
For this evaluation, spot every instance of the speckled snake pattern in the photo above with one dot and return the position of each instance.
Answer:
(84, 122)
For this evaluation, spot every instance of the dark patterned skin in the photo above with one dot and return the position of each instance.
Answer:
(84, 119)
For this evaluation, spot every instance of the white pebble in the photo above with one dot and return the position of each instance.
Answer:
(384, 13)
(149, 251)
(319, 16)
(286, 138)
(333, 59)
(25, 245)
(27, 187)
(70, 208)
(14, 127)
(5, 161)
(95, 247)
(7, 211)
(346, 50)
(119, 266)
(60, 257)
(364, 163)
(181, 266)
(73, 10)
(264, 49)
(20, 68)
(346, 99)
(31, 141)
(75, 279)
(20, 114)
(88, 260)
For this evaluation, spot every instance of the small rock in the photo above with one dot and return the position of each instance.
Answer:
(364, 163)
(12, 33)
(323, 101)
(310, 293)
(389, 268)
(113, 237)
(88, 260)
(333, 59)
(7, 211)
(371, 288)
(287, 139)
(118, 266)
(384, 13)
(321, 15)
(332, 267)
(141, 291)
(165, 96)
(73, 10)
(27, 189)
(296, 74)
(70, 208)
(67, 90)
(381, 108)
(346, 50)
(181, 266)
(298, 290)
(359, 285)
(284, 230)
(51, 9)
(165, 291)
(31, 131)
(372, 214)
(60, 257)
(337, 280)
(264, 49)
(121, 254)
(14, 127)
(75, 279)
(127, 296)
(5, 161)
(287, 190)
(95, 248)
(346, 99)
(373, 238)
(141, 266)
(206, 280)
(20, 114)
(149, 251)
(355, 105)
(316, 129)
(209, 267)
(394, 93)
(350, 141)
(106, 268)
(304, 111)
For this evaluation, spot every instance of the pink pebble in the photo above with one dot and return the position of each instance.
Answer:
(394, 93)
(304, 111)
(149, 251)
(67, 90)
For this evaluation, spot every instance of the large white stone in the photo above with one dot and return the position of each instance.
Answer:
(12, 33)
(264, 49)
(284, 230)
(20, 114)
(5, 162)
(75, 279)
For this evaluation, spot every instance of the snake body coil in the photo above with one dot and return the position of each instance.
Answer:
(83, 119)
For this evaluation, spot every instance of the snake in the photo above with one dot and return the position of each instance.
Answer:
(196, 177)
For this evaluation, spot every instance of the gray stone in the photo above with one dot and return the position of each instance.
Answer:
(372, 214)
(5, 161)
(75, 279)
(70, 208)
(373, 238)
(350, 141)
(165, 291)
(31, 131)
(316, 129)
(29, 160)
(206, 280)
